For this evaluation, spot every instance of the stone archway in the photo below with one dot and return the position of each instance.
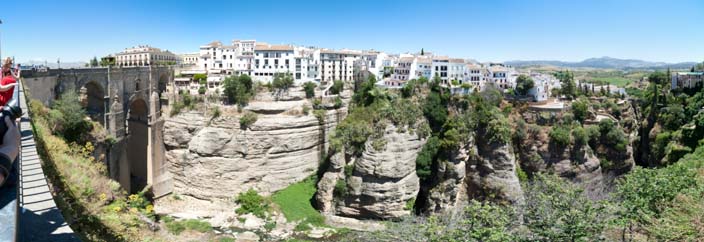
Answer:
(93, 100)
(137, 142)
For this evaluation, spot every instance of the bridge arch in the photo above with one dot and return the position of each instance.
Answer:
(93, 100)
(137, 142)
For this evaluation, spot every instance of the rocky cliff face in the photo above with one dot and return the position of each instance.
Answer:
(379, 184)
(218, 159)
(491, 172)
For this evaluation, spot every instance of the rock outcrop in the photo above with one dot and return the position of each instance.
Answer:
(450, 189)
(220, 159)
(491, 172)
(380, 183)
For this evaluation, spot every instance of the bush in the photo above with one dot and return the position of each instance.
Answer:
(581, 138)
(320, 115)
(282, 81)
(247, 120)
(70, 117)
(560, 136)
(340, 189)
(425, 158)
(251, 202)
(338, 103)
(309, 88)
(305, 109)
(337, 87)
(238, 89)
(580, 109)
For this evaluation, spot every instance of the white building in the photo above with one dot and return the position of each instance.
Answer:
(500, 76)
(543, 85)
(145, 55)
(475, 76)
(272, 59)
(457, 69)
(405, 68)
(440, 67)
(337, 65)
(189, 59)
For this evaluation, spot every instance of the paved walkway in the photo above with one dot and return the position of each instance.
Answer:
(40, 219)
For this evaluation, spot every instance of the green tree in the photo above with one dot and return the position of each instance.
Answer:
(580, 110)
(568, 86)
(556, 210)
(309, 88)
(282, 82)
(238, 89)
(71, 118)
(199, 78)
(94, 62)
(337, 87)
(523, 84)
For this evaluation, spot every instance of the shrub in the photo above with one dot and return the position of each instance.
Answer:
(338, 102)
(238, 89)
(410, 204)
(559, 136)
(70, 118)
(251, 202)
(579, 109)
(425, 158)
(337, 87)
(305, 109)
(282, 81)
(247, 120)
(320, 115)
(309, 88)
(340, 189)
(580, 136)
(349, 169)
(215, 113)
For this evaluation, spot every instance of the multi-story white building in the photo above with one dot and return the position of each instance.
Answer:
(500, 76)
(440, 67)
(405, 68)
(475, 76)
(272, 59)
(424, 67)
(337, 65)
(145, 55)
(457, 70)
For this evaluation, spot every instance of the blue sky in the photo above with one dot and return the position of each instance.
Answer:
(498, 30)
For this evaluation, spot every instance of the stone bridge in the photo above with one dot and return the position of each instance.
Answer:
(128, 102)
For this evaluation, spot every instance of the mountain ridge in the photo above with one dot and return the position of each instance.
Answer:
(604, 63)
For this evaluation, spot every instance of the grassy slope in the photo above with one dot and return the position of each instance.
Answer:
(295, 201)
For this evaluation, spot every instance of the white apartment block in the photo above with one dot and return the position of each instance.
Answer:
(337, 65)
(500, 76)
(300, 62)
(457, 70)
(405, 69)
(145, 55)
(440, 67)
(475, 76)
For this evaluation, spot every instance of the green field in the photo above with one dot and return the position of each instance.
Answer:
(295, 202)
(618, 81)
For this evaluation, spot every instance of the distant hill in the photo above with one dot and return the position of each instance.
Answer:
(604, 62)
(54, 65)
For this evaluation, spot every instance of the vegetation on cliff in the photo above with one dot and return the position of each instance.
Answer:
(94, 205)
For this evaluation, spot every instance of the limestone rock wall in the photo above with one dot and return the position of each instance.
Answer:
(217, 159)
(382, 181)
